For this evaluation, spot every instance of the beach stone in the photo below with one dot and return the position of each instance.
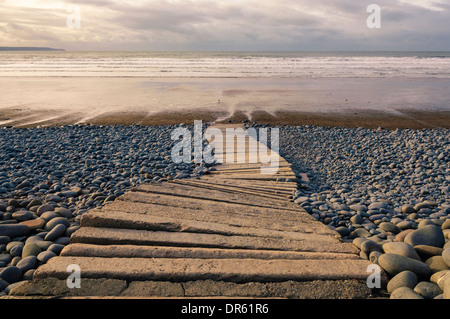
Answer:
(426, 222)
(408, 209)
(378, 205)
(30, 249)
(436, 263)
(45, 256)
(13, 230)
(425, 204)
(357, 219)
(438, 275)
(70, 230)
(56, 248)
(62, 240)
(44, 208)
(358, 241)
(394, 264)
(34, 224)
(430, 235)
(22, 215)
(374, 255)
(403, 279)
(405, 224)
(53, 198)
(4, 239)
(402, 249)
(56, 232)
(369, 246)
(77, 189)
(15, 260)
(343, 231)
(48, 215)
(446, 256)
(11, 274)
(29, 274)
(405, 293)
(443, 280)
(27, 263)
(425, 251)
(12, 244)
(3, 284)
(34, 202)
(359, 232)
(16, 251)
(5, 258)
(358, 207)
(56, 221)
(446, 224)
(389, 227)
(400, 237)
(63, 212)
(447, 290)
(427, 290)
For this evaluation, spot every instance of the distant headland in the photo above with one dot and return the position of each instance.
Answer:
(29, 49)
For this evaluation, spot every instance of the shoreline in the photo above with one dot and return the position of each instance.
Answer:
(369, 119)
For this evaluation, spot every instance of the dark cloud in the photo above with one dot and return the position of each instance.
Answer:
(229, 24)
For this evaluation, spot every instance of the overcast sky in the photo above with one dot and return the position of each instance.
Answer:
(218, 25)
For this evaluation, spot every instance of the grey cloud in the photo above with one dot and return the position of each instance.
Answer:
(241, 25)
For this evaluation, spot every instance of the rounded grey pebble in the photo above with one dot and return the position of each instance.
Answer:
(430, 235)
(427, 290)
(401, 248)
(446, 256)
(374, 255)
(62, 241)
(21, 216)
(56, 232)
(45, 256)
(56, 221)
(11, 274)
(70, 230)
(369, 246)
(5, 258)
(394, 264)
(405, 293)
(3, 284)
(16, 250)
(389, 227)
(29, 274)
(27, 263)
(403, 279)
(56, 248)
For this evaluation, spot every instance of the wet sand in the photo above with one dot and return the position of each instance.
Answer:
(369, 103)
(413, 119)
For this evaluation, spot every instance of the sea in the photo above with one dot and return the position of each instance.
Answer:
(226, 64)
(95, 83)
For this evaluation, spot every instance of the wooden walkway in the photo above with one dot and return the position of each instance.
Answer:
(232, 233)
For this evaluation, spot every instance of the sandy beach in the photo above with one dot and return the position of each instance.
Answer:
(349, 102)
(367, 119)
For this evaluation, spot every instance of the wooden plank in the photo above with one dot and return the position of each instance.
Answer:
(182, 270)
(113, 236)
(197, 193)
(235, 189)
(163, 223)
(133, 251)
(238, 187)
(234, 216)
